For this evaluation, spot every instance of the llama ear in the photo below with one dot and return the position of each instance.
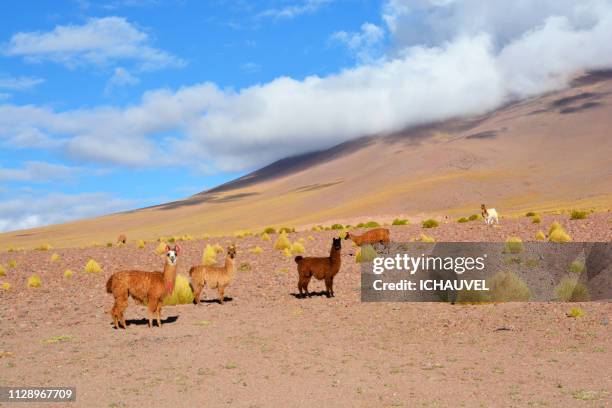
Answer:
(167, 247)
(177, 249)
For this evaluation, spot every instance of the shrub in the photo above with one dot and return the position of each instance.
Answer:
(181, 294)
(141, 244)
(34, 281)
(286, 230)
(55, 257)
(269, 230)
(508, 287)
(11, 249)
(337, 227)
(297, 248)
(540, 236)
(317, 228)
(287, 252)
(575, 312)
(218, 248)
(514, 245)
(559, 235)
(399, 221)
(2, 271)
(6, 286)
(462, 219)
(205, 236)
(161, 248)
(109, 244)
(12, 263)
(555, 225)
(536, 219)
(530, 214)
(43, 247)
(578, 215)
(577, 267)
(92, 267)
(243, 234)
(426, 238)
(282, 242)
(342, 234)
(474, 217)
(257, 250)
(172, 239)
(366, 253)
(265, 236)
(310, 238)
(209, 256)
(371, 224)
(244, 267)
(68, 273)
(430, 223)
(570, 290)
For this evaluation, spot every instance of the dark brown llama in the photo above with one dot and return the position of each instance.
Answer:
(319, 267)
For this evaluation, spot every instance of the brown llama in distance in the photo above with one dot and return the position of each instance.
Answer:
(373, 236)
(150, 287)
(121, 239)
(216, 277)
(319, 267)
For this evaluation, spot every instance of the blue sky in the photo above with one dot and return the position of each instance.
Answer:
(119, 104)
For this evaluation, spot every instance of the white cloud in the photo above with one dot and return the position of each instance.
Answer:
(364, 44)
(250, 67)
(36, 171)
(100, 41)
(14, 215)
(294, 10)
(19, 83)
(121, 77)
(474, 66)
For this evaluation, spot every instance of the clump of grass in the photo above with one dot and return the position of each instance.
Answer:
(269, 230)
(400, 221)
(317, 228)
(371, 224)
(2, 271)
(55, 257)
(570, 290)
(536, 219)
(282, 242)
(205, 236)
(286, 230)
(109, 244)
(6, 286)
(426, 238)
(34, 281)
(508, 287)
(578, 215)
(244, 267)
(181, 294)
(575, 312)
(310, 238)
(265, 236)
(555, 225)
(342, 234)
(540, 236)
(366, 253)
(430, 223)
(530, 214)
(56, 339)
(337, 226)
(161, 248)
(141, 244)
(257, 250)
(559, 235)
(462, 220)
(93, 267)
(11, 249)
(43, 247)
(297, 248)
(514, 245)
(68, 273)
(12, 263)
(577, 267)
(287, 252)
(171, 239)
(209, 256)
(474, 217)
(242, 234)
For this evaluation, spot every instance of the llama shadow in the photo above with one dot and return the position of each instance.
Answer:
(303, 296)
(215, 300)
(145, 322)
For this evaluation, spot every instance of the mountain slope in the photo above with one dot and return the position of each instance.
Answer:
(545, 153)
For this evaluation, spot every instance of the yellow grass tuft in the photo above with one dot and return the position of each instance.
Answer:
(514, 245)
(55, 257)
(282, 242)
(265, 236)
(575, 312)
(161, 248)
(555, 225)
(540, 236)
(205, 236)
(182, 293)
(209, 256)
(12, 263)
(34, 281)
(109, 244)
(68, 273)
(141, 244)
(310, 238)
(2, 271)
(92, 267)
(536, 219)
(297, 248)
(287, 252)
(366, 253)
(6, 286)
(578, 215)
(242, 234)
(426, 238)
(570, 290)
(430, 223)
(508, 287)
(43, 247)
(256, 250)
(559, 235)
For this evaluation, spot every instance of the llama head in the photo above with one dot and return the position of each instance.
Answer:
(172, 254)
(347, 236)
(483, 207)
(231, 251)
(337, 244)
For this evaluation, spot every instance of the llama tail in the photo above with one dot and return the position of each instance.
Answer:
(109, 285)
(298, 258)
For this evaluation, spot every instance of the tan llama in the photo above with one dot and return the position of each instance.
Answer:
(216, 277)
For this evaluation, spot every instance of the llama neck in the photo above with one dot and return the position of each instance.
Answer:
(334, 255)
(169, 276)
(229, 265)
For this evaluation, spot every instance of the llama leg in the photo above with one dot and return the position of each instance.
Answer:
(121, 303)
(306, 282)
(197, 290)
(115, 320)
(328, 286)
(151, 308)
(221, 294)
(123, 322)
(159, 315)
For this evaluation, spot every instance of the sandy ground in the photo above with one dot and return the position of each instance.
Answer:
(267, 348)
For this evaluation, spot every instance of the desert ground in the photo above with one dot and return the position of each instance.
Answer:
(267, 348)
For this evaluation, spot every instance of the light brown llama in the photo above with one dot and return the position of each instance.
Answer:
(373, 236)
(150, 287)
(218, 277)
(321, 268)
(121, 239)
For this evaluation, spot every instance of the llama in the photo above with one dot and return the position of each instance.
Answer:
(218, 277)
(319, 267)
(121, 239)
(143, 286)
(372, 236)
(489, 215)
